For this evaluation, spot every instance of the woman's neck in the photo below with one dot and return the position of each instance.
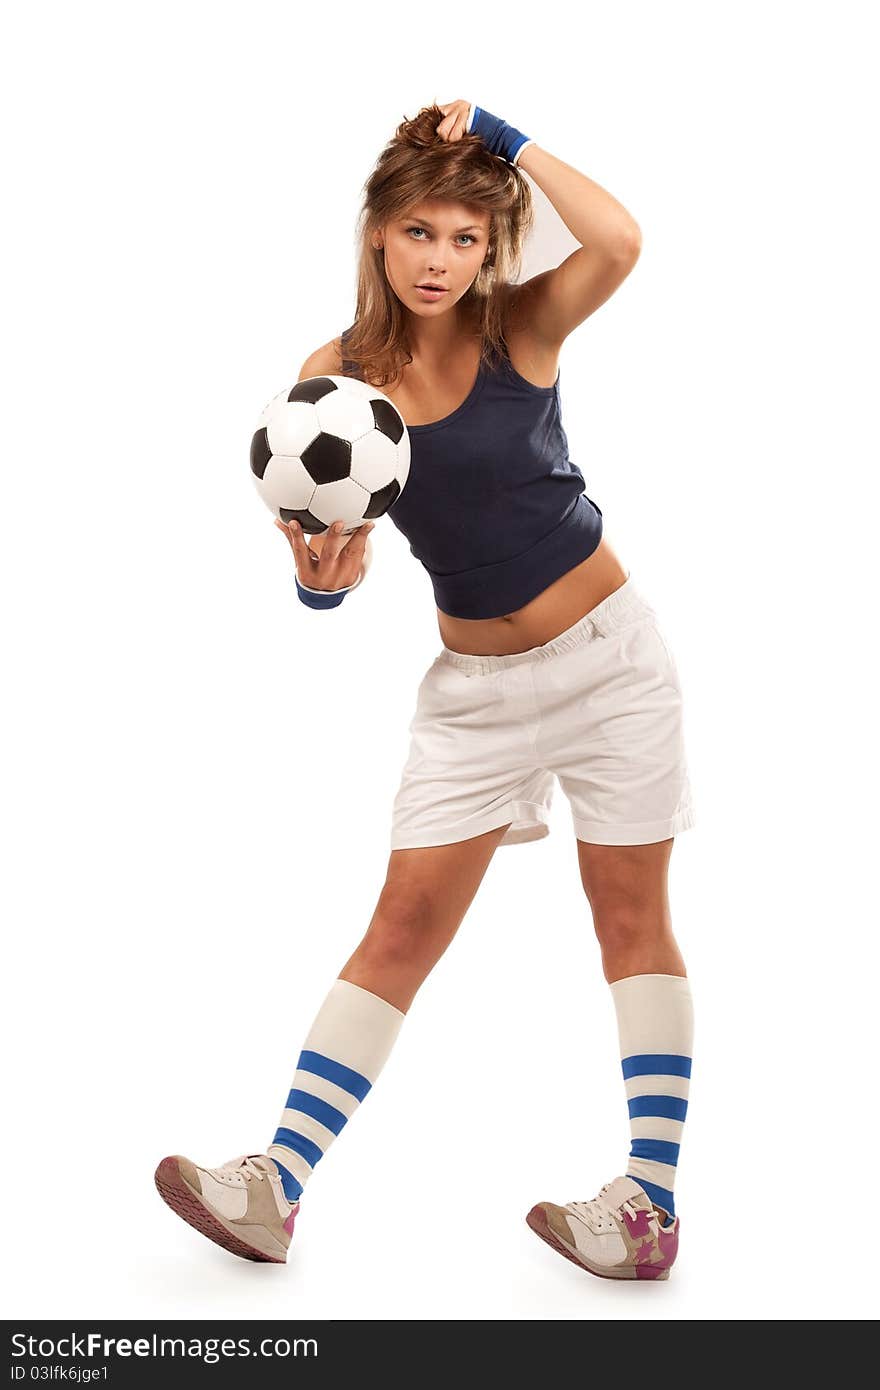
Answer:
(432, 344)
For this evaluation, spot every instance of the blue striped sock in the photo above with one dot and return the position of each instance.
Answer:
(346, 1048)
(655, 1021)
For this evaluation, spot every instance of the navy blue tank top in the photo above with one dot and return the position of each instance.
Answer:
(493, 508)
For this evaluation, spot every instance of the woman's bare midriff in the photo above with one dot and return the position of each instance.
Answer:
(556, 608)
(571, 596)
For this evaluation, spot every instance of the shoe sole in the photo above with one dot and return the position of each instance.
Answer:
(537, 1220)
(180, 1197)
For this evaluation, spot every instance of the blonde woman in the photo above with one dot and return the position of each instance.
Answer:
(552, 665)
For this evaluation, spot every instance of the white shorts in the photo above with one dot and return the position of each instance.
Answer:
(599, 707)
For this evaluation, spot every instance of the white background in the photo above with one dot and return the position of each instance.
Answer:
(199, 770)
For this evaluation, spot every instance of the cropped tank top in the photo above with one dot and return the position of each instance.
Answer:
(493, 507)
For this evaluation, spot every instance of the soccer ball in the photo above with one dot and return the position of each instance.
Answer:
(330, 448)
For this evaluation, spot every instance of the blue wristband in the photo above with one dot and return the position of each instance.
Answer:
(320, 598)
(499, 138)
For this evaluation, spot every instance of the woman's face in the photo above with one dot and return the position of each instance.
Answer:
(442, 242)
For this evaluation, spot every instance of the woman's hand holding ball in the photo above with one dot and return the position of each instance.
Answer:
(329, 561)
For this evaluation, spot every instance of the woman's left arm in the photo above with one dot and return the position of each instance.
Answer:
(559, 299)
(591, 214)
(556, 301)
(610, 238)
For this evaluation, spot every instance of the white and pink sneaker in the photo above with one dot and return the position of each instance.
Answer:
(620, 1234)
(241, 1205)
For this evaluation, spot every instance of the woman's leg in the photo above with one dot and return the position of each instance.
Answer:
(626, 886)
(422, 903)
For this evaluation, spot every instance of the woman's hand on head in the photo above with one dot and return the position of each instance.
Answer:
(455, 114)
(330, 560)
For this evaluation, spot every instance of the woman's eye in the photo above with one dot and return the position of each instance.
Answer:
(421, 229)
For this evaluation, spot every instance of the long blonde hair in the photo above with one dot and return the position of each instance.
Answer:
(417, 165)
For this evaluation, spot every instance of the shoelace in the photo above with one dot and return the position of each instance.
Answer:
(249, 1165)
(598, 1213)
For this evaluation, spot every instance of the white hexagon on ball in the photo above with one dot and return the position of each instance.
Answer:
(375, 461)
(343, 498)
(293, 428)
(286, 484)
(339, 414)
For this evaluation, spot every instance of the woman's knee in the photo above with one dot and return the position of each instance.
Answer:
(403, 928)
(623, 926)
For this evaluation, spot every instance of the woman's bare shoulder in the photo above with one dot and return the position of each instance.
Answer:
(324, 361)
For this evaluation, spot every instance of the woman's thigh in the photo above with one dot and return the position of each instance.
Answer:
(627, 881)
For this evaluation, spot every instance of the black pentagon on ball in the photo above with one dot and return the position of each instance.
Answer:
(314, 388)
(327, 459)
(310, 524)
(387, 420)
(382, 500)
(260, 452)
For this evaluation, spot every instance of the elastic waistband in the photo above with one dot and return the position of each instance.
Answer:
(619, 608)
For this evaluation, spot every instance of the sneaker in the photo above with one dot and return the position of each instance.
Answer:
(620, 1234)
(241, 1205)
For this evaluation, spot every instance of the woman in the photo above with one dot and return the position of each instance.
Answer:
(552, 664)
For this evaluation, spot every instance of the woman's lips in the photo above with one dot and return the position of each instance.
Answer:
(430, 294)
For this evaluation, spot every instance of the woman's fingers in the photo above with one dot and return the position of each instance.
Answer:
(338, 554)
(334, 541)
(337, 545)
(285, 530)
(455, 114)
(357, 541)
(306, 560)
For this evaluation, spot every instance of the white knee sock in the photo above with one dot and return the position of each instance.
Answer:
(347, 1046)
(655, 1022)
